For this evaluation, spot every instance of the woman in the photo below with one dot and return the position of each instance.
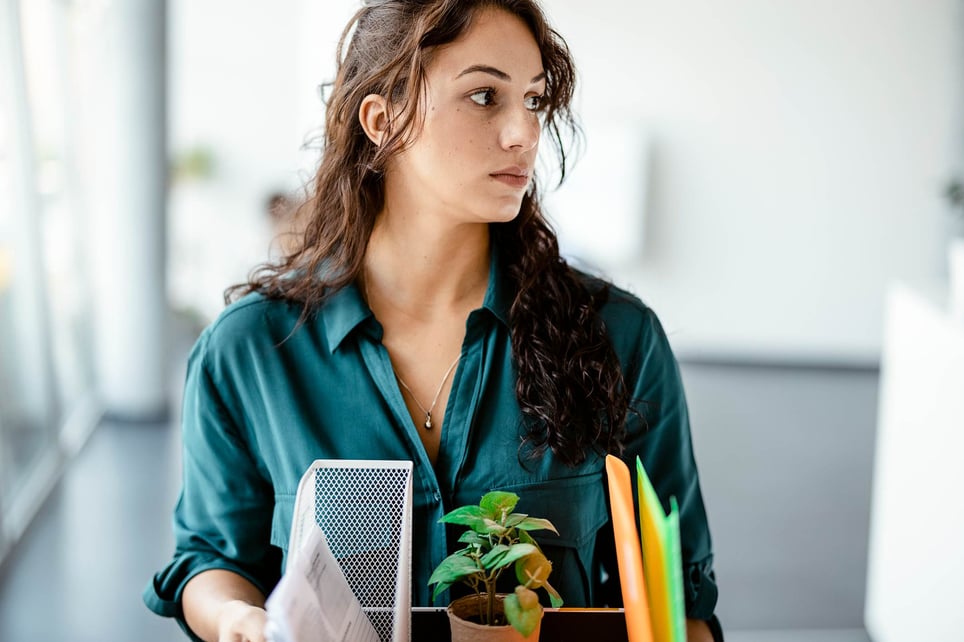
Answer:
(428, 316)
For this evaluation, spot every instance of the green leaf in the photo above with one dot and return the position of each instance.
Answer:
(493, 558)
(524, 620)
(439, 589)
(471, 537)
(491, 527)
(497, 504)
(554, 596)
(536, 524)
(454, 568)
(525, 538)
(519, 551)
(514, 519)
(470, 516)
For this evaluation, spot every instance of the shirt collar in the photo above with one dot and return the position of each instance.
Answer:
(345, 310)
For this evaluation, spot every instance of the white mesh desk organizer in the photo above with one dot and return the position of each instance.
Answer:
(364, 509)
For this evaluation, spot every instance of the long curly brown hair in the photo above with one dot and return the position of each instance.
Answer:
(570, 386)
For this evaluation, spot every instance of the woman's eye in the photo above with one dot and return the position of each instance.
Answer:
(534, 103)
(483, 97)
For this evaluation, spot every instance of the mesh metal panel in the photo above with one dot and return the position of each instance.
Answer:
(364, 509)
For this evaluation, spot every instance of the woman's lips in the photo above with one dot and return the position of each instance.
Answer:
(512, 177)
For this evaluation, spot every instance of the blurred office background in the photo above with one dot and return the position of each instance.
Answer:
(761, 173)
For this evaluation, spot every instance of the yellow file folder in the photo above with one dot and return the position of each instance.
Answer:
(662, 563)
(650, 565)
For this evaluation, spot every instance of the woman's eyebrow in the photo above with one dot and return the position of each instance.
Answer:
(498, 73)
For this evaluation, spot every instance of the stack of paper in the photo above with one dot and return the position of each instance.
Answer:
(313, 600)
(650, 566)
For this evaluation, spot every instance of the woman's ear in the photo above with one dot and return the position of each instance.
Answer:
(373, 116)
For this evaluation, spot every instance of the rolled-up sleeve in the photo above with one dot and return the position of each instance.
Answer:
(660, 435)
(223, 516)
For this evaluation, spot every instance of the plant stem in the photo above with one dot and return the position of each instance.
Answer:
(490, 599)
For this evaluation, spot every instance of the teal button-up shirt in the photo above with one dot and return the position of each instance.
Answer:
(265, 397)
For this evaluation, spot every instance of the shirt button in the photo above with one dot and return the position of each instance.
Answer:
(437, 497)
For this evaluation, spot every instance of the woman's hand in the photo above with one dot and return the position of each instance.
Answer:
(222, 606)
(239, 621)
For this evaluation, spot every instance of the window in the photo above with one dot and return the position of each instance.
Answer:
(45, 363)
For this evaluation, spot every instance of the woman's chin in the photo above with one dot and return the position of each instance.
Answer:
(503, 211)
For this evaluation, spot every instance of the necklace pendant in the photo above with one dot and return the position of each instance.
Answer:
(428, 421)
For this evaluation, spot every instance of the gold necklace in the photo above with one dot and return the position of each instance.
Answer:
(428, 413)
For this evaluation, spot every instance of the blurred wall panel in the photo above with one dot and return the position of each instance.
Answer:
(917, 521)
(798, 155)
(121, 61)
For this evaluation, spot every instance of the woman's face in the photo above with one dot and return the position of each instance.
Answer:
(473, 157)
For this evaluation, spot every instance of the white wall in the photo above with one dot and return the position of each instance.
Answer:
(798, 152)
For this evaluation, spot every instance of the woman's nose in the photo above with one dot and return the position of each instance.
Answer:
(521, 130)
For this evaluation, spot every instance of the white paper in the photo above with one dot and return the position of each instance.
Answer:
(313, 600)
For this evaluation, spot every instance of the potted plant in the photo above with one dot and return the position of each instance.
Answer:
(496, 538)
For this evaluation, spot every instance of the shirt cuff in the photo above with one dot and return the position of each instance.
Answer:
(699, 589)
(162, 595)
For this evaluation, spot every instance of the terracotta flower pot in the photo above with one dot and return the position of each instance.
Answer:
(462, 611)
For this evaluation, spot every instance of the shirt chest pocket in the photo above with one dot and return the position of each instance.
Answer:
(577, 508)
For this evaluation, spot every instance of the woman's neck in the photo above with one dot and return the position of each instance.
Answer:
(424, 269)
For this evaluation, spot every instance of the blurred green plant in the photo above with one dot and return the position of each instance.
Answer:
(954, 192)
(193, 164)
(496, 539)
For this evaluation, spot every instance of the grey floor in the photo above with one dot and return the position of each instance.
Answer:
(785, 457)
